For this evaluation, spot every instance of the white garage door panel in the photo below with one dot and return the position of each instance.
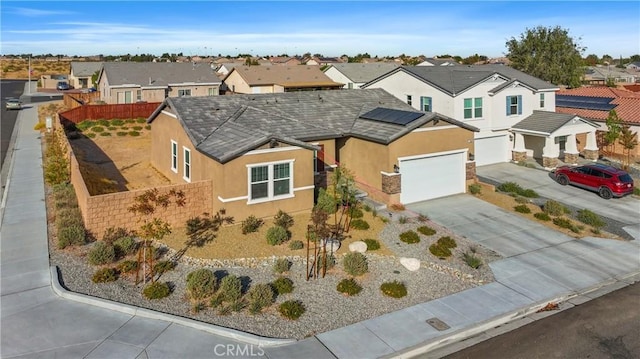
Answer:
(432, 177)
(491, 150)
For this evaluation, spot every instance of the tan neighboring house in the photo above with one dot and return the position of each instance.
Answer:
(81, 73)
(322, 61)
(51, 81)
(274, 79)
(130, 82)
(284, 61)
(263, 153)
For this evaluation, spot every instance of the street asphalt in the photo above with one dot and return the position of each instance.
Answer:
(41, 319)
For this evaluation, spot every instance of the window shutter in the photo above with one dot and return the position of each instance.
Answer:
(422, 103)
(519, 104)
(508, 104)
(430, 104)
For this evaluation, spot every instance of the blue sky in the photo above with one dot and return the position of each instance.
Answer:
(331, 28)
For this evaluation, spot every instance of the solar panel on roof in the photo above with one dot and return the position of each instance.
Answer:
(585, 102)
(389, 115)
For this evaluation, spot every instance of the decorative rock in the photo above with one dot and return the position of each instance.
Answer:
(412, 264)
(331, 245)
(358, 246)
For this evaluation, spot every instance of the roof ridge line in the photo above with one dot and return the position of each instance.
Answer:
(236, 114)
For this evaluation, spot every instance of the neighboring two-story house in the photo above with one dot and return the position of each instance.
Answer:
(130, 82)
(354, 75)
(274, 79)
(82, 72)
(493, 98)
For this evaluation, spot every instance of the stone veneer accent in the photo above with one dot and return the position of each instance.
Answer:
(518, 156)
(470, 169)
(549, 162)
(391, 183)
(591, 154)
(571, 158)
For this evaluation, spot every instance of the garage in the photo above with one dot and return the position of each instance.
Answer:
(491, 150)
(432, 176)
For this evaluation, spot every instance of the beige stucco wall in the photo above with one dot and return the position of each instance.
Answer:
(196, 90)
(236, 83)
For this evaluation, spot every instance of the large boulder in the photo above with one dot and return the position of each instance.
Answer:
(412, 264)
(358, 246)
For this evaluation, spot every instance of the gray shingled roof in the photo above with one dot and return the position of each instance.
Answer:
(456, 79)
(85, 69)
(158, 73)
(547, 122)
(225, 127)
(359, 72)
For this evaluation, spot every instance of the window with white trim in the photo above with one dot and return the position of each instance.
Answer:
(426, 104)
(270, 181)
(409, 99)
(541, 100)
(138, 95)
(514, 105)
(473, 107)
(184, 92)
(213, 91)
(174, 156)
(186, 167)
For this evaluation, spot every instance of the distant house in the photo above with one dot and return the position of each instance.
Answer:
(600, 75)
(82, 72)
(284, 61)
(435, 61)
(130, 82)
(354, 75)
(224, 68)
(635, 66)
(273, 79)
(322, 61)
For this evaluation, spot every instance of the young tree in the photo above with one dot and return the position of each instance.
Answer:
(629, 141)
(614, 125)
(548, 53)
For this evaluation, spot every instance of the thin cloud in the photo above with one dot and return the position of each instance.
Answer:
(29, 12)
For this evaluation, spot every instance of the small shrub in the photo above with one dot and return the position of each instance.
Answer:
(230, 288)
(326, 203)
(403, 220)
(509, 187)
(157, 290)
(121, 133)
(359, 224)
(471, 260)
(439, 251)
(587, 217)
(283, 219)
(101, 253)
(394, 289)
(542, 216)
(281, 265)
(447, 242)
(163, 266)
(238, 305)
(125, 246)
(133, 133)
(112, 128)
(521, 200)
(104, 275)
(566, 223)
(104, 134)
(372, 244)
(367, 208)
(295, 245)
(251, 224)
(117, 122)
(277, 235)
(292, 309)
(147, 127)
(522, 208)
(112, 234)
(636, 191)
(141, 120)
(355, 263)
(201, 283)
(74, 235)
(475, 188)
(349, 287)
(91, 135)
(397, 207)
(282, 285)
(260, 296)
(554, 208)
(128, 266)
(103, 122)
(67, 217)
(529, 193)
(97, 129)
(331, 262)
(130, 120)
(39, 126)
(137, 128)
(427, 231)
(409, 237)
(422, 218)
(595, 231)
(356, 212)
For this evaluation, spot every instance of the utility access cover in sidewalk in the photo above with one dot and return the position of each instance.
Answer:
(438, 324)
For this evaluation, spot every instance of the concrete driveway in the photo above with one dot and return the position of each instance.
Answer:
(625, 210)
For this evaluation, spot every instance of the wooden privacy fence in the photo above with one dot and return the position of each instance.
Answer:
(109, 112)
(73, 100)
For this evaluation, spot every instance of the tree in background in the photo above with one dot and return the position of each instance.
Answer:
(629, 141)
(592, 60)
(614, 126)
(549, 54)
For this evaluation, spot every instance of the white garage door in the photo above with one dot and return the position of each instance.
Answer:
(491, 150)
(430, 177)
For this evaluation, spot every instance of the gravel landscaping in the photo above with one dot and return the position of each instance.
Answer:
(326, 308)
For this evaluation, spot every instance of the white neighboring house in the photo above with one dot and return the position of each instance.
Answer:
(354, 75)
(492, 98)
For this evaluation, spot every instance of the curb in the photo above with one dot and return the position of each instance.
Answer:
(238, 335)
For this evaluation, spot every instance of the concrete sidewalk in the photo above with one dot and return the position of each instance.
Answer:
(41, 319)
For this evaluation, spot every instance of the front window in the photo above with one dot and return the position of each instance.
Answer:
(185, 92)
(213, 91)
(514, 105)
(409, 99)
(270, 181)
(127, 97)
(541, 100)
(425, 104)
(187, 164)
(138, 95)
(473, 107)
(174, 156)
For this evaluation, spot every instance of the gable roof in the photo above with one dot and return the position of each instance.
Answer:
(85, 69)
(286, 76)
(627, 103)
(362, 72)
(547, 122)
(456, 79)
(160, 74)
(225, 127)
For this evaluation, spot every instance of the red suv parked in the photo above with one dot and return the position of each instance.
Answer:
(606, 180)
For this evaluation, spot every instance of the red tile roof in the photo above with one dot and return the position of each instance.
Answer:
(628, 103)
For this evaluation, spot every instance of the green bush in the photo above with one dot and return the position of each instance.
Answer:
(471, 260)
(104, 275)
(281, 265)
(157, 290)
(566, 223)
(331, 262)
(103, 122)
(69, 216)
(260, 296)
(447, 242)
(427, 231)
(282, 285)
(522, 208)
(295, 245)
(360, 224)
(529, 193)
(128, 266)
(542, 216)
(56, 169)
(283, 219)
(355, 212)
(104, 134)
(403, 220)
(133, 133)
(372, 244)
(277, 235)
(292, 309)
(521, 200)
(394, 289)
(230, 288)
(636, 191)
(74, 235)
(147, 127)
(475, 188)
(587, 217)
(97, 129)
(121, 133)
(125, 246)
(326, 203)
(141, 120)
(85, 125)
(355, 263)
(163, 267)
(509, 187)
(554, 208)
(409, 237)
(112, 234)
(130, 120)
(101, 253)
(137, 128)
(201, 283)
(439, 251)
(117, 122)
(349, 287)
(112, 128)
(251, 224)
